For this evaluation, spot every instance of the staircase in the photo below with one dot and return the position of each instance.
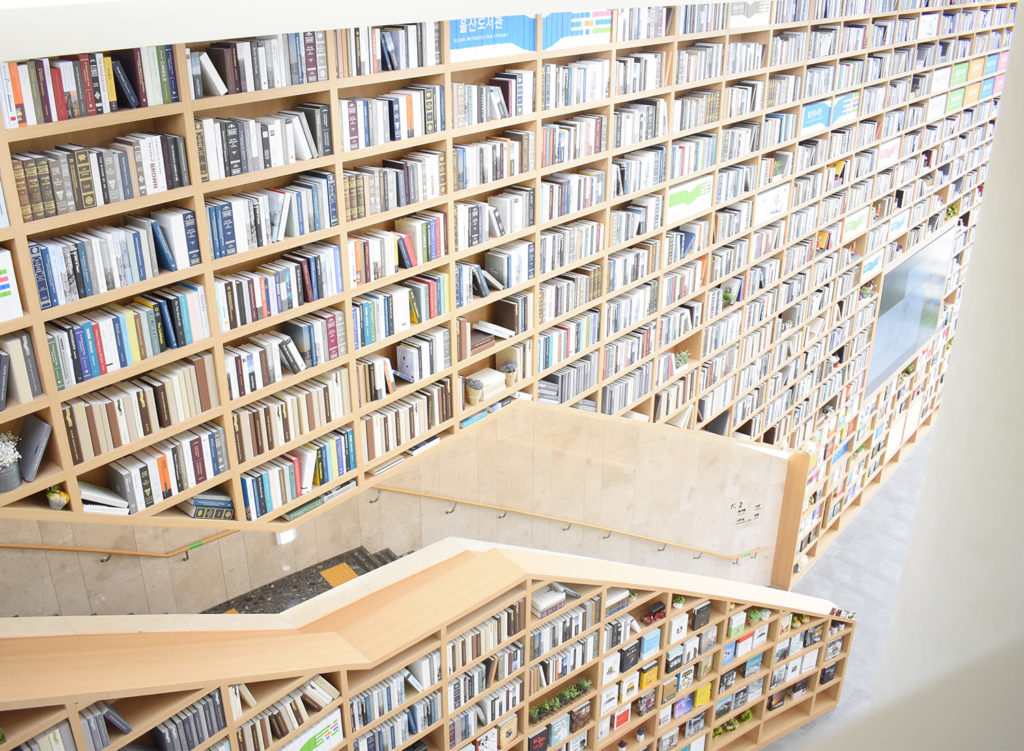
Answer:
(309, 582)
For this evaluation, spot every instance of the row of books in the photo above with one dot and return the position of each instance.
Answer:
(237, 145)
(48, 90)
(83, 347)
(313, 272)
(71, 178)
(286, 715)
(366, 50)
(258, 63)
(417, 239)
(156, 473)
(507, 94)
(286, 415)
(393, 309)
(110, 418)
(497, 158)
(411, 112)
(405, 419)
(417, 176)
(96, 260)
(246, 221)
(192, 726)
(282, 480)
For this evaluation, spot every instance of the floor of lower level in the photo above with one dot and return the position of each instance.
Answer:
(861, 572)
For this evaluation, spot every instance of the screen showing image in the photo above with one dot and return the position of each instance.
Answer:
(909, 314)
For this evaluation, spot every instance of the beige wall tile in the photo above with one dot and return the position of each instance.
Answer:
(199, 581)
(159, 586)
(69, 585)
(101, 575)
(122, 598)
(266, 560)
(25, 586)
(234, 566)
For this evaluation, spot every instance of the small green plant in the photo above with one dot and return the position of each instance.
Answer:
(681, 358)
(728, 297)
(730, 725)
(717, 731)
(678, 600)
(566, 696)
(745, 716)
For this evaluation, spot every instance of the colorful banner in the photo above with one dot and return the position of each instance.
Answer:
(491, 36)
(561, 31)
(816, 118)
(845, 109)
(688, 199)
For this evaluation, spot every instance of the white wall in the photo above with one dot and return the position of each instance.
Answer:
(30, 28)
(951, 676)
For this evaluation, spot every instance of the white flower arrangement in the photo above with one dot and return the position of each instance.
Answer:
(9, 453)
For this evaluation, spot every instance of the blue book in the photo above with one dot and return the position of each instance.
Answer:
(42, 274)
(124, 353)
(83, 264)
(213, 213)
(191, 237)
(91, 352)
(164, 256)
(170, 335)
(728, 653)
(181, 300)
(82, 362)
(172, 72)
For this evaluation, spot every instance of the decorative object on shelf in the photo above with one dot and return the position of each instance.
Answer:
(867, 291)
(908, 371)
(728, 297)
(10, 472)
(554, 703)
(641, 735)
(56, 497)
(730, 725)
(509, 368)
(474, 390)
(678, 601)
(681, 358)
(745, 716)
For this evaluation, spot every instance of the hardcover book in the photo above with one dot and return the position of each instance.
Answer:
(558, 730)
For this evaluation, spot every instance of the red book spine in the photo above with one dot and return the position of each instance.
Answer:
(89, 95)
(59, 97)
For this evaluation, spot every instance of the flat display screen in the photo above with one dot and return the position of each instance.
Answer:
(910, 305)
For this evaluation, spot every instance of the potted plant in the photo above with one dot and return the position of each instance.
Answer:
(717, 732)
(728, 297)
(681, 358)
(474, 390)
(56, 497)
(10, 472)
(534, 715)
(509, 368)
(678, 601)
(745, 716)
(730, 725)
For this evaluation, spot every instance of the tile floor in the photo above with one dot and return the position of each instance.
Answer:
(861, 572)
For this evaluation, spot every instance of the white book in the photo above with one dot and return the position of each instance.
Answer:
(10, 300)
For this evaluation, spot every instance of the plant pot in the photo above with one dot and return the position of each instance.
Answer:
(510, 378)
(10, 478)
(473, 395)
(57, 502)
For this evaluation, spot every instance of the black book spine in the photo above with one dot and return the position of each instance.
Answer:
(232, 148)
(170, 162)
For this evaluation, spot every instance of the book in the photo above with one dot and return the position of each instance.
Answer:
(558, 730)
(23, 382)
(32, 441)
(10, 298)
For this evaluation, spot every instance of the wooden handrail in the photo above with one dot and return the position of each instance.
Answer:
(479, 504)
(116, 551)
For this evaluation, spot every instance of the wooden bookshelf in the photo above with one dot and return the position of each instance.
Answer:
(747, 399)
(138, 690)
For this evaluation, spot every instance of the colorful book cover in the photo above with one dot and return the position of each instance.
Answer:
(567, 30)
(815, 119)
(682, 706)
(491, 36)
(702, 695)
(728, 653)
